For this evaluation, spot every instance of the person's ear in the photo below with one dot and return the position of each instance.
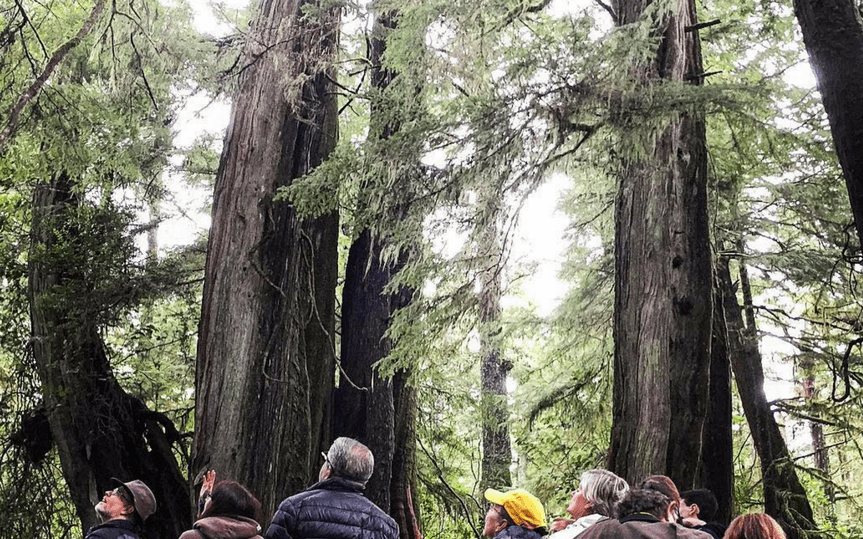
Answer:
(694, 510)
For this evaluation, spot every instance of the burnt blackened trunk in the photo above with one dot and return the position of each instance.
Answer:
(100, 430)
(265, 349)
(784, 497)
(663, 272)
(833, 35)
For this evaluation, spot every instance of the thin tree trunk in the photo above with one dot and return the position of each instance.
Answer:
(100, 431)
(833, 35)
(662, 316)
(816, 430)
(784, 497)
(265, 337)
(496, 448)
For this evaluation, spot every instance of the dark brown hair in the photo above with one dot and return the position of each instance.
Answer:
(754, 526)
(230, 498)
(663, 484)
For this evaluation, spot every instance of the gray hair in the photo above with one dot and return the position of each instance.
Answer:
(603, 490)
(351, 460)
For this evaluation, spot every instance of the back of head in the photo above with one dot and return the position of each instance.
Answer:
(647, 501)
(704, 499)
(663, 484)
(754, 526)
(351, 460)
(604, 490)
(230, 498)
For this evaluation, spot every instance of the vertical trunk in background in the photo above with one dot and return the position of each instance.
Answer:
(833, 34)
(100, 431)
(717, 456)
(816, 429)
(496, 449)
(662, 308)
(376, 410)
(784, 497)
(265, 349)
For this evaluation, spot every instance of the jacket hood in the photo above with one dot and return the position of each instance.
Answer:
(224, 527)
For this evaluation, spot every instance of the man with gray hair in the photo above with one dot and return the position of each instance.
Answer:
(334, 507)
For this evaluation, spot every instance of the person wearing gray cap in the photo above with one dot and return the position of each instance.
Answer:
(123, 511)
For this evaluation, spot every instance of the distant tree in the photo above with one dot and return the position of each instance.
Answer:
(266, 335)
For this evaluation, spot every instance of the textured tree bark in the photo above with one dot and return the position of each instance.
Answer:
(662, 317)
(717, 457)
(784, 497)
(833, 34)
(100, 430)
(403, 506)
(265, 350)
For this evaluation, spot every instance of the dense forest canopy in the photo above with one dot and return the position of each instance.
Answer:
(381, 179)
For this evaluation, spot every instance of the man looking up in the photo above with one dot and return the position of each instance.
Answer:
(123, 511)
(334, 507)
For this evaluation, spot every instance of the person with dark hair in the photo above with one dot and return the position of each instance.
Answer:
(516, 514)
(230, 512)
(649, 512)
(698, 509)
(597, 497)
(334, 507)
(754, 526)
(123, 511)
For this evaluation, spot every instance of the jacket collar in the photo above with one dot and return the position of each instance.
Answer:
(339, 484)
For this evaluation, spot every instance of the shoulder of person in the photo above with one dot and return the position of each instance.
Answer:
(192, 534)
(691, 533)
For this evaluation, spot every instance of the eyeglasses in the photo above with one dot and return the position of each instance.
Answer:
(121, 493)
(326, 459)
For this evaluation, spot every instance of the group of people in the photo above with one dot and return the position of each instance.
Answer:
(603, 507)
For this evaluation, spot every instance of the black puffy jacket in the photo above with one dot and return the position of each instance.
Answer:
(332, 509)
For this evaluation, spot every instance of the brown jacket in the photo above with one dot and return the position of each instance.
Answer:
(640, 527)
(224, 527)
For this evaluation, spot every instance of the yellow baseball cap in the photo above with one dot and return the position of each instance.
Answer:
(524, 508)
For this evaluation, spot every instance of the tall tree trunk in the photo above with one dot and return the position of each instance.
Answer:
(833, 35)
(375, 409)
(265, 349)
(662, 308)
(717, 456)
(100, 431)
(494, 368)
(784, 497)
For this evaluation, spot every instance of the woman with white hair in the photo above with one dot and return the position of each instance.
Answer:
(598, 494)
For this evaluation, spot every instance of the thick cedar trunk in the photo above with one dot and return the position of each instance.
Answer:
(662, 317)
(100, 431)
(833, 35)
(496, 449)
(784, 497)
(717, 456)
(265, 350)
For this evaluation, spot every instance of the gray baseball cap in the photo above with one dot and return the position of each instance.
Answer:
(142, 497)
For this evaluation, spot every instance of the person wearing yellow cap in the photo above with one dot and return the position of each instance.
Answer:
(516, 514)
